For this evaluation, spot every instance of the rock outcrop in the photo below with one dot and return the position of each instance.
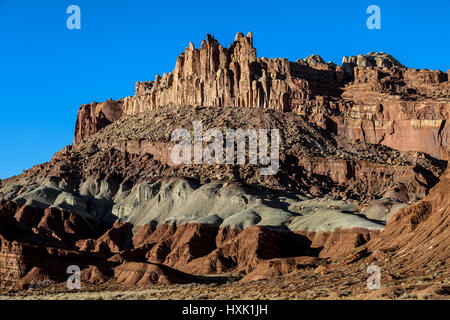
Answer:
(372, 59)
(370, 97)
(418, 235)
(362, 150)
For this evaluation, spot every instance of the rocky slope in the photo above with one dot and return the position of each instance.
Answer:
(418, 235)
(352, 173)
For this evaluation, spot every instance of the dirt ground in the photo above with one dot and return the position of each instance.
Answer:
(323, 282)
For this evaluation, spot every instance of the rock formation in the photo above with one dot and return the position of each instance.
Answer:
(422, 228)
(372, 97)
(363, 147)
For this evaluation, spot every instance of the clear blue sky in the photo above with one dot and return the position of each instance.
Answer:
(47, 71)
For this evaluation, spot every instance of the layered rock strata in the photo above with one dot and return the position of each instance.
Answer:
(360, 148)
(372, 97)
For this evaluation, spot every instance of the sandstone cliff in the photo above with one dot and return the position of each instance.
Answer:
(370, 97)
(116, 205)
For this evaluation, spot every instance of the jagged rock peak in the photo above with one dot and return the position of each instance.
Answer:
(314, 59)
(373, 59)
(238, 36)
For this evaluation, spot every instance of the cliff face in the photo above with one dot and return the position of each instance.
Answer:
(115, 204)
(93, 117)
(370, 97)
(421, 228)
(117, 207)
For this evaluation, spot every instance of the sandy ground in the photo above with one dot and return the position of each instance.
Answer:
(324, 282)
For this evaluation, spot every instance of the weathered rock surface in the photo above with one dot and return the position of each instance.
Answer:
(418, 235)
(372, 59)
(213, 239)
(360, 144)
(117, 197)
(370, 97)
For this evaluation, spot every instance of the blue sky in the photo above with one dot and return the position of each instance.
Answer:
(47, 71)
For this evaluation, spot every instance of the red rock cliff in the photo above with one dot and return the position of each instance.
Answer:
(370, 97)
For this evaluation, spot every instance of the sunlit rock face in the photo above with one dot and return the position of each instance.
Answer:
(371, 97)
(360, 160)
